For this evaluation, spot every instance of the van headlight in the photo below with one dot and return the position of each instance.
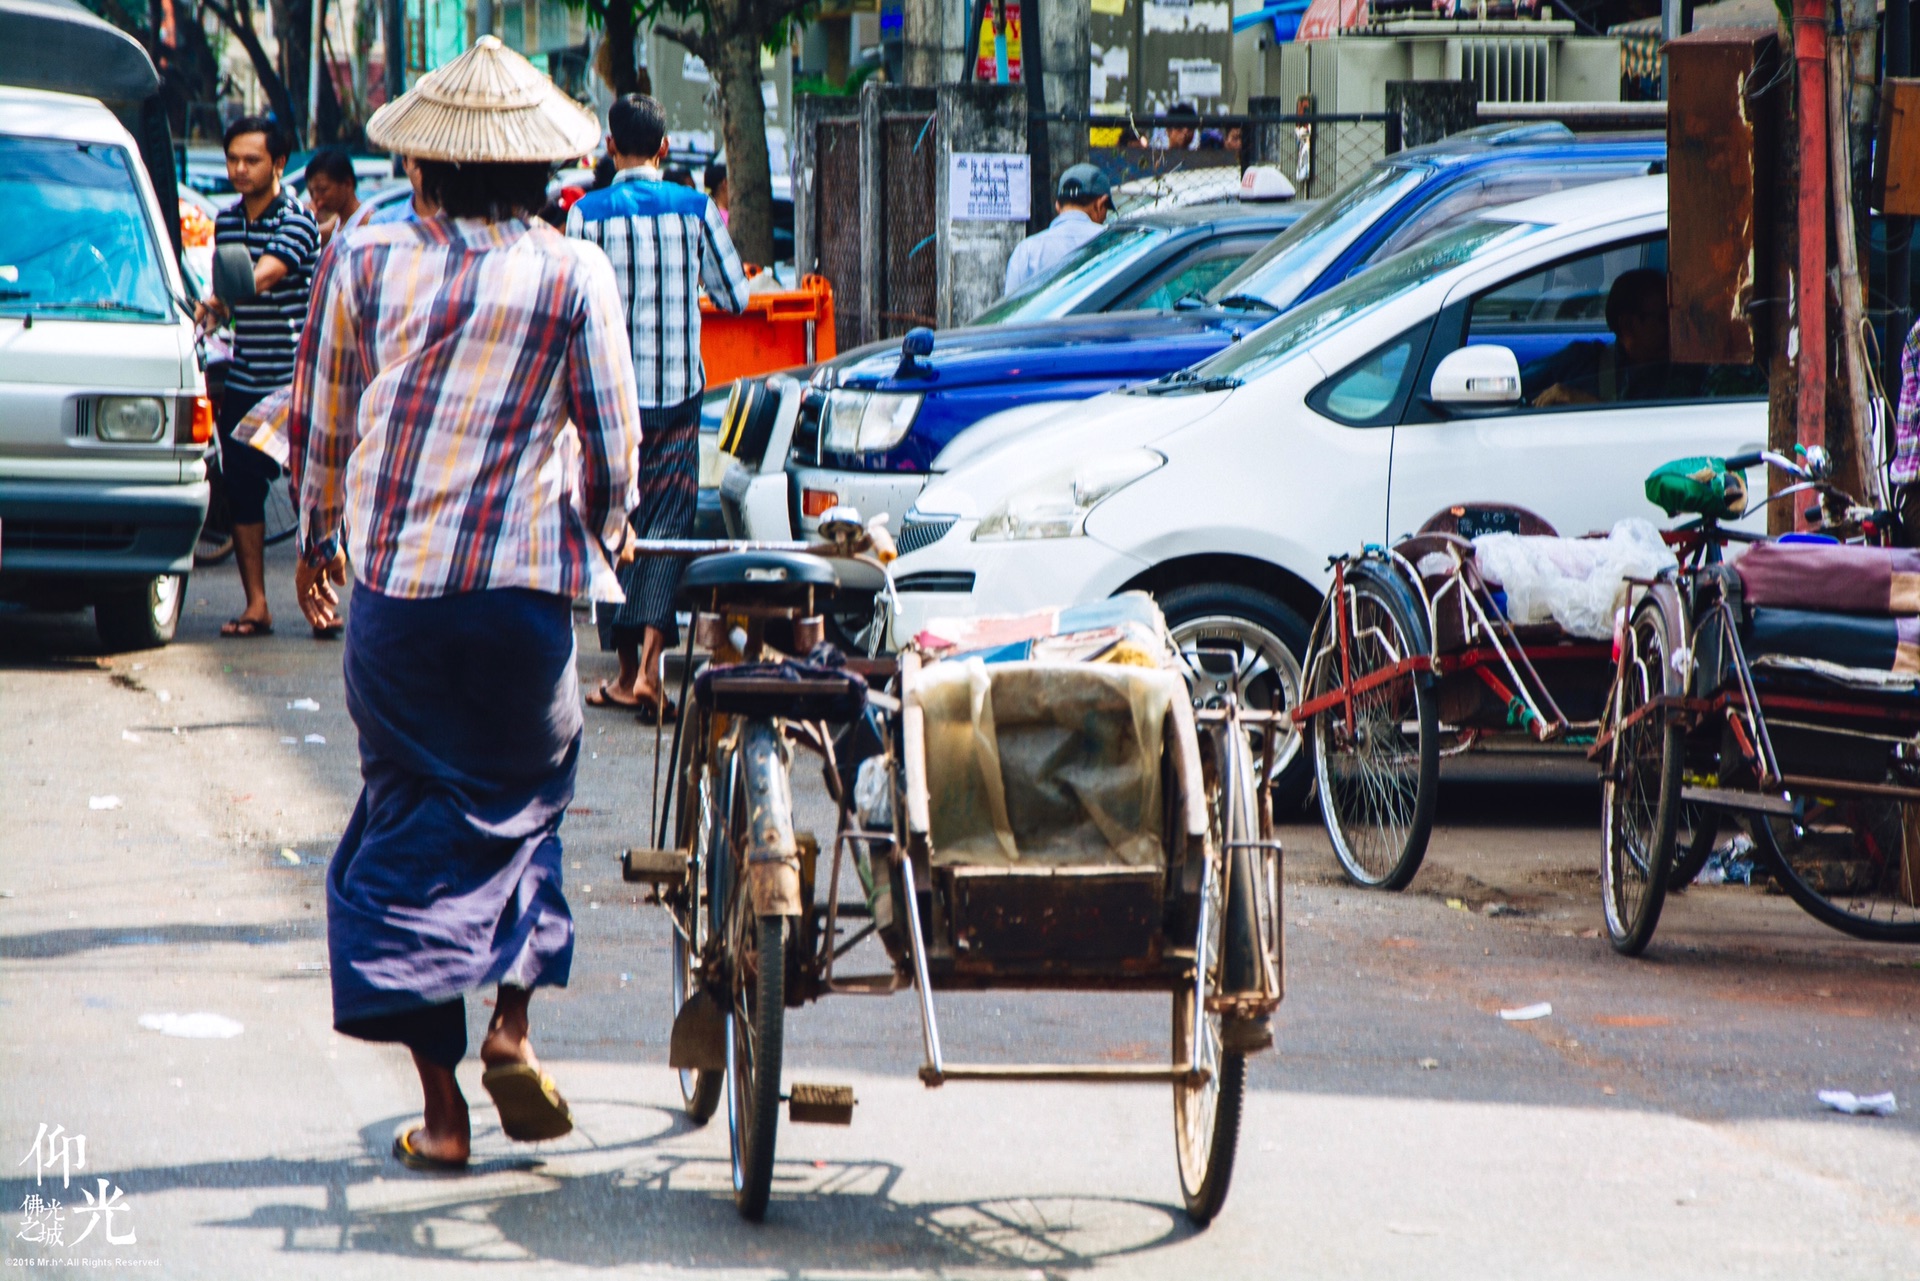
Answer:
(866, 422)
(129, 420)
(1058, 507)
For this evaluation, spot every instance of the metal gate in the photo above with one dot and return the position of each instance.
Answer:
(908, 288)
(836, 225)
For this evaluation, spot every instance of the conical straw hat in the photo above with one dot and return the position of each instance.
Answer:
(489, 105)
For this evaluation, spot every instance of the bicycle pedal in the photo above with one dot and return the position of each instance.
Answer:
(820, 1104)
(654, 867)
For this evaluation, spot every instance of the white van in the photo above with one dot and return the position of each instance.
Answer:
(104, 417)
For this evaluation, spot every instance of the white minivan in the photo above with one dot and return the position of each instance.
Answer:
(104, 417)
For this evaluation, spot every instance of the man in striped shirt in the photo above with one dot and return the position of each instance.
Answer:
(664, 241)
(282, 239)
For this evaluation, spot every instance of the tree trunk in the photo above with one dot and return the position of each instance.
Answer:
(749, 179)
(239, 21)
(619, 32)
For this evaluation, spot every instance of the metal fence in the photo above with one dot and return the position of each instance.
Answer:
(909, 289)
(836, 220)
(1154, 164)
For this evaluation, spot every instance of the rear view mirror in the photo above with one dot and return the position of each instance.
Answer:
(232, 274)
(1479, 375)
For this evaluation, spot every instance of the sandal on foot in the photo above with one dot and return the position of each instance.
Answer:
(330, 631)
(245, 629)
(406, 1154)
(530, 1108)
(647, 712)
(605, 697)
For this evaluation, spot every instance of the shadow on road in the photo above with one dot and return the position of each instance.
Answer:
(631, 1202)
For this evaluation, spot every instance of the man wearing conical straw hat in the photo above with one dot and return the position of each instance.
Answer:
(463, 419)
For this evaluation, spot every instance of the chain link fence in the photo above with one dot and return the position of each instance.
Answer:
(836, 226)
(1155, 162)
(909, 290)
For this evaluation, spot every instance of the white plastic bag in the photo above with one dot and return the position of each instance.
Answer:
(1575, 582)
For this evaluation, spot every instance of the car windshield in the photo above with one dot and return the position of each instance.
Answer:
(1077, 275)
(1273, 279)
(1370, 289)
(76, 241)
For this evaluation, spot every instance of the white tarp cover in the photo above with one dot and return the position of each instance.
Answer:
(1575, 582)
(1045, 764)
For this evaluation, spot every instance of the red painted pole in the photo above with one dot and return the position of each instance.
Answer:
(1810, 283)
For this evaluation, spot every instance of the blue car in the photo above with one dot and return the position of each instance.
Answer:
(874, 425)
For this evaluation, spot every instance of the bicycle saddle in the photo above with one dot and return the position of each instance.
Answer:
(764, 577)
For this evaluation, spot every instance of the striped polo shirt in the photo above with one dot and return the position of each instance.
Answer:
(267, 329)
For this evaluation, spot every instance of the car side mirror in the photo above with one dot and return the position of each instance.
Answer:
(915, 347)
(233, 274)
(1485, 375)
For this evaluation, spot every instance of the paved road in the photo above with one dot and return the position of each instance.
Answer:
(1661, 1123)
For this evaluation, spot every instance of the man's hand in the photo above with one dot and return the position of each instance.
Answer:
(209, 313)
(313, 587)
(1561, 394)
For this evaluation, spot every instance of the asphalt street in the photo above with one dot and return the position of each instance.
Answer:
(165, 822)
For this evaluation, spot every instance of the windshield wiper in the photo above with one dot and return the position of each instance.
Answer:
(98, 304)
(1247, 302)
(1185, 380)
(1192, 300)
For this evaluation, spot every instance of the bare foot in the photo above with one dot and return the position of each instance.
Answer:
(508, 1038)
(446, 1133)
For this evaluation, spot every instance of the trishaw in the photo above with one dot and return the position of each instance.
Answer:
(1413, 658)
(1031, 803)
(1779, 690)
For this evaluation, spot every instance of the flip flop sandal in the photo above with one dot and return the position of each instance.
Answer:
(405, 1153)
(245, 629)
(530, 1108)
(646, 712)
(331, 631)
(603, 697)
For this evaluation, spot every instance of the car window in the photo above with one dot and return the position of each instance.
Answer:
(1275, 278)
(77, 241)
(1076, 277)
(1272, 344)
(1193, 274)
(1493, 190)
(1369, 392)
(1591, 331)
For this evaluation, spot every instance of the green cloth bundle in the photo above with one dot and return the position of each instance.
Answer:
(1701, 486)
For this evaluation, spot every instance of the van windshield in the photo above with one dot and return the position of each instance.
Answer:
(76, 241)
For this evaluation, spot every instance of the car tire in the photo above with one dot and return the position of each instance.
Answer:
(143, 617)
(1220, 616)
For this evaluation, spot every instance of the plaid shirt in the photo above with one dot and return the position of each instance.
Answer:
(431, 402)
(1906, 422)
(664, 241)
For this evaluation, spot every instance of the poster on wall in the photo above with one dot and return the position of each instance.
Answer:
(985, 69)
(989, 186)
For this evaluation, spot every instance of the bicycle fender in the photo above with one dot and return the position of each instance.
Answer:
(773, 856)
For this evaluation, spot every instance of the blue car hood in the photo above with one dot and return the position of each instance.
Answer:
(1125, 347)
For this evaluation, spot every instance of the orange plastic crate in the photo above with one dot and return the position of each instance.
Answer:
(778, 330)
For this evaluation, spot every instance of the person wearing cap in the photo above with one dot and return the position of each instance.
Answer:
(1081, 203)
(464, 417)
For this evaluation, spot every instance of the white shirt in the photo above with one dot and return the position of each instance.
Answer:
(1041, 252)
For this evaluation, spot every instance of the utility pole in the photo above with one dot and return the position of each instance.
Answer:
(1899, 63)
(317, 10)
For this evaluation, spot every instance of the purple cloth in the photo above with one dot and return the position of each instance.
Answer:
(448, 877)
(1906, 423)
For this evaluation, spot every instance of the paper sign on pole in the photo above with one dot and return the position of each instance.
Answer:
(989, 186)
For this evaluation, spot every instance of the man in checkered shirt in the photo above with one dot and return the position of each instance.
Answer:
(664, 241)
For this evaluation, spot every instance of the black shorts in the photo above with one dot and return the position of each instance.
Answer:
(246, 472)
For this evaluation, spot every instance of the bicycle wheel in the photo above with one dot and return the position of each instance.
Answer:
(282, 515)
(1640, 794)
(215, 542)
(1378, 771)
(1693, 844)
(1847, 862)
(1207, 1106)
(755, 1032)
(700, 825)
